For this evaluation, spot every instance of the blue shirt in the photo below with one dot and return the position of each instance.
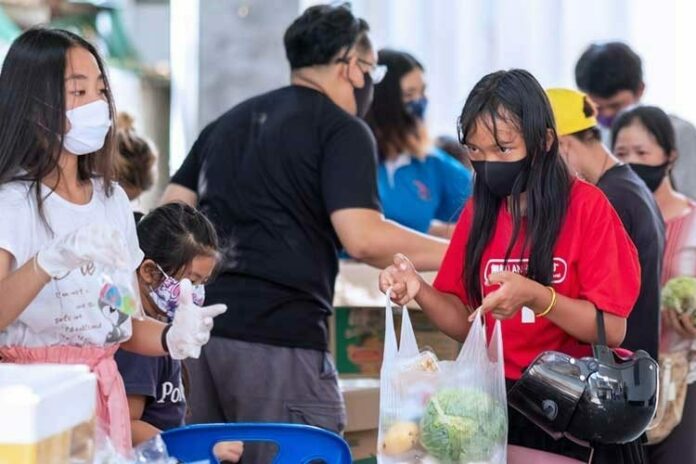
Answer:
(415, 191)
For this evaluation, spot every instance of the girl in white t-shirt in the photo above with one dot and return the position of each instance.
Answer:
(64, 222)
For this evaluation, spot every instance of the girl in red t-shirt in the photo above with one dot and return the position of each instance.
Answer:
(537, 249)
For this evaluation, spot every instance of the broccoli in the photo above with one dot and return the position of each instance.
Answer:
(679, 294)
(463, 425)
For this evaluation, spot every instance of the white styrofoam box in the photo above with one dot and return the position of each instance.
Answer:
(361, 396)
(41, 400)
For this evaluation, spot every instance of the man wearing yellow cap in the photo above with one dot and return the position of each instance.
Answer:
(581, 146)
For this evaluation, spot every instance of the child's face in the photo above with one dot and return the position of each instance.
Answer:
(84, 83)
(483, 146)
(199, 271)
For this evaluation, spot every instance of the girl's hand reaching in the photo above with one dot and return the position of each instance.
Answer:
(403, 280)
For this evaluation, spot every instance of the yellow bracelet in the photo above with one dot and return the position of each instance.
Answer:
(552, 304)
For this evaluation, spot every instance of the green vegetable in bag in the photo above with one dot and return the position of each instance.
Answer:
(462, 425)
(679, 294)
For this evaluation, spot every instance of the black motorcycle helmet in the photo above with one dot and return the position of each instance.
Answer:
(600, 399)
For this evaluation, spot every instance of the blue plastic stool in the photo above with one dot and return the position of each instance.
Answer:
(297, 444)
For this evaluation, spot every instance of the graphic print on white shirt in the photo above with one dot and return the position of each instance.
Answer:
(67, 310)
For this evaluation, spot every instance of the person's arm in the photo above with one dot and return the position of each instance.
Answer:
(441, 229)
(446, 311)
(184, 337)
(179, 194)
(576, 317)
(368, 236)
(351, 198)
(450, 315)
(147, 338)
(183, 186)
(19, 287)
(141, 431)
(93, 243)
(229, 451)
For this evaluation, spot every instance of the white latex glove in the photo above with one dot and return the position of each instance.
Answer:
(93, 243)
(191, 326)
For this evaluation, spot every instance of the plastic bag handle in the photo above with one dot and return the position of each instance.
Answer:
(390, 347)
(475, 339)
(408, 346)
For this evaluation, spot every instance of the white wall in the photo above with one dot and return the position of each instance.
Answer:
(461, 40)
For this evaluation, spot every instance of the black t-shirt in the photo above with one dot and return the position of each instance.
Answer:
(158, 379)
(268, 174)
(643, 221)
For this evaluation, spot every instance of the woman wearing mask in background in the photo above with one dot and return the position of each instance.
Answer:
(535, 248)
(135, 160)
(644, 138)
(65, 220)
(420, 186)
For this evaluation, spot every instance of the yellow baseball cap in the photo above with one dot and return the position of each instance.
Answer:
(569, 111)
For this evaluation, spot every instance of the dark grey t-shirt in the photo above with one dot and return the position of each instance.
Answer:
(643, 221)
(158, 379)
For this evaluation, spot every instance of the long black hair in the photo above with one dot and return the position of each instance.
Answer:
(172, 235)
(32, 110)
(393, 126)
(516, 97)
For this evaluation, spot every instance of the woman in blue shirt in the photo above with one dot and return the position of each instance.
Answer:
(420, 186)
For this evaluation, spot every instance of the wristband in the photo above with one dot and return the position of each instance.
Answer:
(551, 305)
(163, 340)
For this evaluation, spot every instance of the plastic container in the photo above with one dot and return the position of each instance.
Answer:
(46, 414)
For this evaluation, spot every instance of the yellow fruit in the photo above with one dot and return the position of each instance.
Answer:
(401, 437)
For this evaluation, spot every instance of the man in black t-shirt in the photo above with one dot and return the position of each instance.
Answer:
(580, 144)
(288, 178)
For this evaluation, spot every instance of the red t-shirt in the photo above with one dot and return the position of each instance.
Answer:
(594, 260)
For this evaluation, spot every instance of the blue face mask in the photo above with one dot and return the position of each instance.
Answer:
(417, 107)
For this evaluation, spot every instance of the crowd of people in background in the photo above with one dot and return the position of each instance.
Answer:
(339, 163)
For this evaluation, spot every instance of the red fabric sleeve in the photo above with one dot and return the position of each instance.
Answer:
(449, 277)
(608, 267)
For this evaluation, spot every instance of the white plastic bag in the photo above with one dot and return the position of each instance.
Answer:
(442, 412)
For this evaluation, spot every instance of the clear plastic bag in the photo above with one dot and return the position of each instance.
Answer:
(442, 412)
(119, 291)
(153, 451)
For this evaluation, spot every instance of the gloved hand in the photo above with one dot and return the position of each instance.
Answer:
(93, 243)
(191, 327)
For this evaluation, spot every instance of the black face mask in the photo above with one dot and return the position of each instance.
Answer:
(499, 176)
(651, 175)
(363, 96)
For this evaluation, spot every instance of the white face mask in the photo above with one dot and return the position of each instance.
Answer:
(89, 125)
